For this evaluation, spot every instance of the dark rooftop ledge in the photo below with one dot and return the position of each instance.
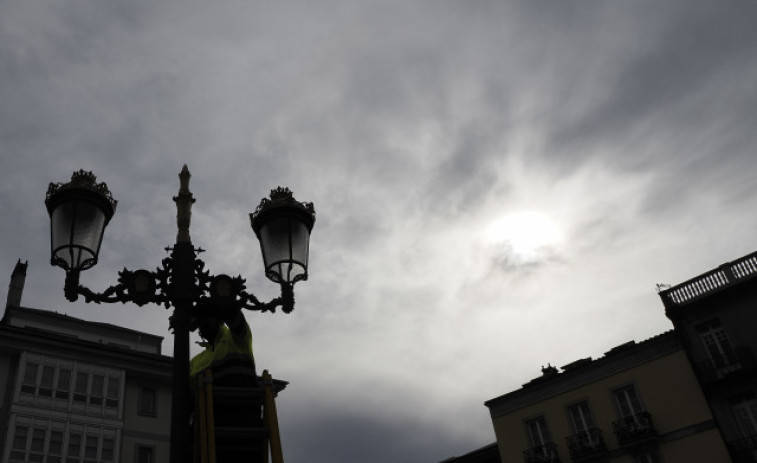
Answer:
(583, 371)
(728, 274)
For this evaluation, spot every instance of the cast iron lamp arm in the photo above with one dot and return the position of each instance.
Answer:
(285, 301)
(140, 287)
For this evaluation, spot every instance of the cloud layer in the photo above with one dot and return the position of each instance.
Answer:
(413, 127)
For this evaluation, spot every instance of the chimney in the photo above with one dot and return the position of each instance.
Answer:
(16, 288)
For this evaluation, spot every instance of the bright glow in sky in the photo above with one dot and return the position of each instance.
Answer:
(527, 233)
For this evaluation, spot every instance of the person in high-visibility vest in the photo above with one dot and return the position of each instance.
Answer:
(228, 349)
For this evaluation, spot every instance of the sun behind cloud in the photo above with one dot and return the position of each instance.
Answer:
(528, 234)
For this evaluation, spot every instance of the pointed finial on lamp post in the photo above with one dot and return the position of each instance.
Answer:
(184, 202)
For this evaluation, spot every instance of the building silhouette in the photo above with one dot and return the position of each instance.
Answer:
(79, 391)
(689, 394)
(639, 402)
(715, 317)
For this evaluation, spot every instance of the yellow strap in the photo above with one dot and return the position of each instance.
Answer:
(201, 417)
(211, 418)
(272, 420)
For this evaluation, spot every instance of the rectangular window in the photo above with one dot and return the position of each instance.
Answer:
(745, 411)
(718, 347)
(146, 401)
(111, 399)
(74, 447)
(18, 452)
(145, 454)
(90, 448)
(628, 401)
(96, 393)
(55, 448)
(538, 433)
(30, 378)
(37, 451)
(80, 389)
(38, 440)
(19, 438)
(46, 383)
(107, 452)
(63, 386)
(580, 417)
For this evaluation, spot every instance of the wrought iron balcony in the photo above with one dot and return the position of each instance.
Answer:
(586, 444)
(634, 428)
(744, 450)
(546, 453)
(724, 366)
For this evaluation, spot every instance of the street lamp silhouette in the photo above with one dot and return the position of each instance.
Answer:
(81, 209)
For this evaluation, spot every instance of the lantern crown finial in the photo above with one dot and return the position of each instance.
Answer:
(282, 196)
(84, 180)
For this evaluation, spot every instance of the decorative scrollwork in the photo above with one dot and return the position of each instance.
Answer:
(213, 294)
(139, 287)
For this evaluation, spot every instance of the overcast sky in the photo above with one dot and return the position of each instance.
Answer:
(498, 184)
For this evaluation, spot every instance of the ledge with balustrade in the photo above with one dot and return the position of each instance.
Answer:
(726, 275)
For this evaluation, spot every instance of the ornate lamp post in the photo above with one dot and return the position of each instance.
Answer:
(79, 211)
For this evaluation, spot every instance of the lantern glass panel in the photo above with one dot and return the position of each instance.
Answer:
(77, 228)
(284, 243)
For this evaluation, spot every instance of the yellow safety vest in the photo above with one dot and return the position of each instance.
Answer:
(224, 345)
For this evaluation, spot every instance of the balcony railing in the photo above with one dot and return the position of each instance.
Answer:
(634, 428)
(586, 444)
(744, 450)
(725, 275)
(546, 453)
(724, 366)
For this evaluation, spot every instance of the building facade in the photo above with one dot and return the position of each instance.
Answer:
(715, 316)
(638, 403)
(79, 391)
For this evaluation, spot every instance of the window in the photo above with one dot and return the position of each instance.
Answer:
(111, 398)
(96, 393)
(718, 347)
(107, 452)
(55, 448)
(145, 454)
(46, 442)
(37, 451)
(80, 389)
(46, 383)
(745, 410)
(30, 378)
(74, 447)
(580, 417)
(628, 401)
(146, 401)
(90, 448)
(537, 430)
(64, 384)
(542, 448)
(18, 452)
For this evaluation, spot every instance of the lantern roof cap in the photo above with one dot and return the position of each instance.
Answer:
(81, 180)
(283, 197)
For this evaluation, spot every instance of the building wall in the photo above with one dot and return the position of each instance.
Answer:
(145, 429)
(727, 296)
(667, 389)
(105, 419)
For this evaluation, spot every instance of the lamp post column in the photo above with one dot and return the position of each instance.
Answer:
(182, 292)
